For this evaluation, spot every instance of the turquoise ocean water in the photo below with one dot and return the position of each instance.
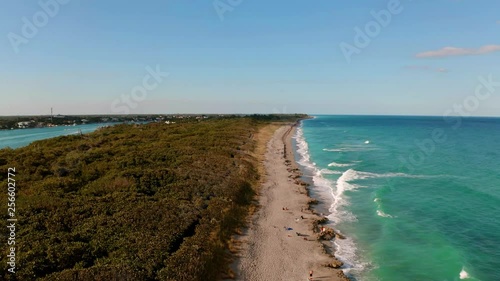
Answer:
(22, 137)
(418, 197)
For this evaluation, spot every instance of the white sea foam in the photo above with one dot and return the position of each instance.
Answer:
(351, 175)
(347, 252)
(303, 150)
(305, 160)
(464, 274)
(344, 183)
(331, 172)
(338, 213)
(320, 181)
(382, 214)
(345, 248)
(335, 164)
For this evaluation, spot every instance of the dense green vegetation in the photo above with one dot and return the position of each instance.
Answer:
(132, 202)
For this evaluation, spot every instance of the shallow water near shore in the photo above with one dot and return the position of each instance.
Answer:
(414, 207)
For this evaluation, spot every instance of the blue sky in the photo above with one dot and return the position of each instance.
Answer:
(251, 56)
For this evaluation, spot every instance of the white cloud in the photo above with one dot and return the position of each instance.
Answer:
(453, 51)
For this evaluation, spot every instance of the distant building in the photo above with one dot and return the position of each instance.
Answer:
(25, 124)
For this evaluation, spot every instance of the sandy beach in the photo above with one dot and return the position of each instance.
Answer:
(283, 244)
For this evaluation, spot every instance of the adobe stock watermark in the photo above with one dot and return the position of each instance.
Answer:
(223, 6)
(453, 116)
(126, 102)
(31, 27)
(364, 36)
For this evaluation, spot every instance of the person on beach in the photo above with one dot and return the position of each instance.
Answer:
(311, 275)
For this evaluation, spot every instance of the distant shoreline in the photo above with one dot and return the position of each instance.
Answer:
(47, 121)
(54, 126)
(34, 122)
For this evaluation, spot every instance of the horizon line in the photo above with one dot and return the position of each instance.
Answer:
(293, 113)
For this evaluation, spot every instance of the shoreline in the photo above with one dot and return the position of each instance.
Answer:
(283, 239)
